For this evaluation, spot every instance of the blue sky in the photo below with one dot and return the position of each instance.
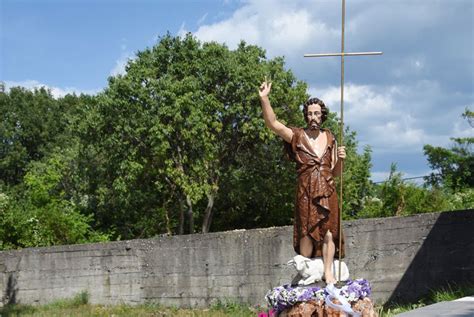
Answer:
(412, 95)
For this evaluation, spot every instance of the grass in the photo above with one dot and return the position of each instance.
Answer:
(447, 293)
(79, 306)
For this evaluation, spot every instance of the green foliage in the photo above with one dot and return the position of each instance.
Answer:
(66, 308)
(449, 292)
(31, 122)
(178, 143)
(37, 168)
(260, 191)
(357, 184)
(454, 166)
(396, 197)
(79, 300)
(38, 213)
(231, 308)
(450, 187)
(356, 175)
(184, 117)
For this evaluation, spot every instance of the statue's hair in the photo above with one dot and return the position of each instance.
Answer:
(316, 101)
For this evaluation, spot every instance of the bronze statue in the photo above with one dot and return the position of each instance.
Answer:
(318, 160)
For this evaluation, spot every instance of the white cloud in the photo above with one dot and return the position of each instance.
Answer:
(119, 68)
(182, 30)
(294, 30)
(283, 28)
(122, 61)
(388, 119)
(57, 92)
(240, 26)
(462, 129)
(397, 102)
(410, 66)
(379, 176)
(362, 101)
(412, 95)
(397, 135)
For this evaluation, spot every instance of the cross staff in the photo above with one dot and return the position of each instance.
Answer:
(342, 54)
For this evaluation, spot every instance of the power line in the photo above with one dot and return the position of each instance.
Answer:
(404, 179)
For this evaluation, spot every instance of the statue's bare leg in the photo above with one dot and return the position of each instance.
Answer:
(328, 257)
(306, 246)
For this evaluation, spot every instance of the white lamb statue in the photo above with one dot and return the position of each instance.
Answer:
(312, 270)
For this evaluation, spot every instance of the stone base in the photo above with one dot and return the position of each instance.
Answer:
(319, 309)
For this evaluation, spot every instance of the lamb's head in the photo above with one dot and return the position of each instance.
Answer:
(301, 263)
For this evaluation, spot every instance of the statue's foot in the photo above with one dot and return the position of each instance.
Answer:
(330, 279)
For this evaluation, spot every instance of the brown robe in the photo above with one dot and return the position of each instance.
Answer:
(317, 209)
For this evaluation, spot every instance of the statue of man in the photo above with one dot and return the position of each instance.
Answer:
(318, 160)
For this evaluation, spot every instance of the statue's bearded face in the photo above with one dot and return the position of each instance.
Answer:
(314, 116)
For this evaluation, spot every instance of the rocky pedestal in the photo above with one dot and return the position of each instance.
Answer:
(364, 307)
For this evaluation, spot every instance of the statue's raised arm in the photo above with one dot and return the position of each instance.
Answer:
(269, 116)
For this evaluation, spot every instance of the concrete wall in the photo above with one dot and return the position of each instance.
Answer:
(402, 257)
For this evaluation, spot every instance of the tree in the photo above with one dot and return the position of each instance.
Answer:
(179, 138)
(40, 196)
(356, 177)
(38, 212)
(175, 142)
(32, 124)
(173, 125)
(454, 166)
(450, 187)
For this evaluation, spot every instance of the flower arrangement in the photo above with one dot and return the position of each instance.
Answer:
(284, 297)
(356, 289)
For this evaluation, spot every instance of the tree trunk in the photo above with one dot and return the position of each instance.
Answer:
(206, 224)
(401, 204)
(190, 214)
(168, 222)
(181, 216)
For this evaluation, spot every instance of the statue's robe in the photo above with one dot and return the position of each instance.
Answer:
(316, 208)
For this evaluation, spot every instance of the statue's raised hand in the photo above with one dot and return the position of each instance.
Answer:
(265, 88)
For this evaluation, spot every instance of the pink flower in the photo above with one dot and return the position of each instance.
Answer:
(271, 313)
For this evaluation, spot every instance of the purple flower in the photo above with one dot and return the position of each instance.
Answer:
(285, 296)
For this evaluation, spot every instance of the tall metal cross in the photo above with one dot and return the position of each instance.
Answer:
(342, 54)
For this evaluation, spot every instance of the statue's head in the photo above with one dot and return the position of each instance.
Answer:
(315, 112)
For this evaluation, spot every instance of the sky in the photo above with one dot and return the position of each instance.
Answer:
(412, 95)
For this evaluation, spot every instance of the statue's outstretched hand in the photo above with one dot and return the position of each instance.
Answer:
(341, 152)
(265, 88)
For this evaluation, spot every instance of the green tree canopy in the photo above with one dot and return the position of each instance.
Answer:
(453, 167)
(174, 145)
(162, 135)
(31, 122)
